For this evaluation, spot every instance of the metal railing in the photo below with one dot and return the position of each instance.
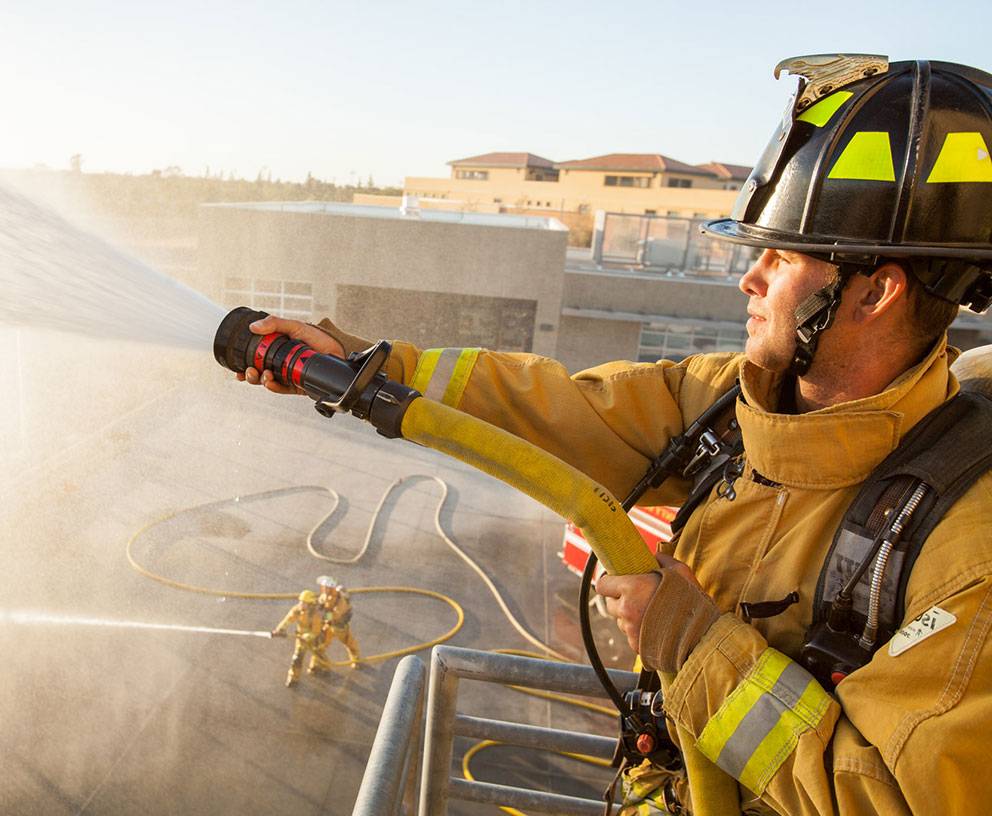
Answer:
(392, 763)
(389, 784)
(666, 244)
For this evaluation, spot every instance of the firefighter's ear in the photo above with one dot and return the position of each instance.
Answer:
(877, 293)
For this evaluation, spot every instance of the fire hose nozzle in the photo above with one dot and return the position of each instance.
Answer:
(357, 385)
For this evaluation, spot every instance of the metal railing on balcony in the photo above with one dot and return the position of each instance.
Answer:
(667, 245)
(388, 784)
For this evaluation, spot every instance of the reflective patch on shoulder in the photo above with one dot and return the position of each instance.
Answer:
(927, 624)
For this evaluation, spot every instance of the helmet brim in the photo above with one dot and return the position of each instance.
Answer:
(727, 229)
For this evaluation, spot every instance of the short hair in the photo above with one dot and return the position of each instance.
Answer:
(930, 315)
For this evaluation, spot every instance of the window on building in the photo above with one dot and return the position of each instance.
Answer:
(677, 182)
(628, 181)
(284, 298)
(544, 174)
(473, 175)
(671, 341)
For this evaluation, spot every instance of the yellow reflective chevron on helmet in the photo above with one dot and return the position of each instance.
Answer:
(963, 157)
(867, 157)
(823, 111)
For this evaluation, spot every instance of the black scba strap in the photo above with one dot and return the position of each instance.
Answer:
(936, 463)
(817, 312)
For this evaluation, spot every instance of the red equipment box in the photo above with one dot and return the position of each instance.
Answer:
(653, 523)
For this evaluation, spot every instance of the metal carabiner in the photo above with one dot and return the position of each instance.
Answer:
(731, 473)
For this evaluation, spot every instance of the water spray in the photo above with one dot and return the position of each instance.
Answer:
(28, 618)
(55, 275)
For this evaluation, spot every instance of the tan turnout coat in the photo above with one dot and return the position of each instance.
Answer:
(904, 734)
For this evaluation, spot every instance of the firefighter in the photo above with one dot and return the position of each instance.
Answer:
(872, 208)
(335, 606)
(309, 620)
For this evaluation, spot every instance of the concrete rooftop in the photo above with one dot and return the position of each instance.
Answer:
(117, 721)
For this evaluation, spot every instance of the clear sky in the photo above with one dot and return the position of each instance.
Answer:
(349, 89)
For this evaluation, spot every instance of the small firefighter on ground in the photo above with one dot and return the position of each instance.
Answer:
(335, 606)
(309, 620)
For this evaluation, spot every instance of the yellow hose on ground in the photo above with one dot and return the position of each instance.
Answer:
(545, 478)
(287, 596)
(587, 504)
(480, 746)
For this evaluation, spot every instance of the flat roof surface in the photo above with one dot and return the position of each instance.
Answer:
(505, 221)
(101, 720)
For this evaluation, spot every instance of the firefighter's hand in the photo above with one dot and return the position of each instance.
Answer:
(317, 339)
(663, 615)
(280, 633)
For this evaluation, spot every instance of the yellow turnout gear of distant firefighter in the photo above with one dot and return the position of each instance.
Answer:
(309, 622)
(336, 611)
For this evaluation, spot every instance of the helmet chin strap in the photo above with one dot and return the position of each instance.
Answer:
(816, 314)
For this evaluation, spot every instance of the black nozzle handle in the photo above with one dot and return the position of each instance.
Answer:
(368, 363)
(357, 385)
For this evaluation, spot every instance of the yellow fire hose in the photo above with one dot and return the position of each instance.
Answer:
(545, 478)
(587, 504)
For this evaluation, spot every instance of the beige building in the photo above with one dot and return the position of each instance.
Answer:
(645, 183)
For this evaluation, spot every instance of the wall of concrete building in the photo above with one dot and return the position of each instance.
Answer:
(329, 250)
(584, 342)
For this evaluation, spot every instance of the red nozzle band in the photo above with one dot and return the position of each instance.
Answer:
(262, 349)
(284, 371)
(297, 372)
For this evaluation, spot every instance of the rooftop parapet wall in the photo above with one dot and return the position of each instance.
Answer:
(652, 295)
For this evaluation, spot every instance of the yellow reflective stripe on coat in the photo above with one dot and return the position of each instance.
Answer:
(442, 374)
(759, 724)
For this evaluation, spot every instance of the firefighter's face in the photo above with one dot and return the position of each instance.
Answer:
(775, 285)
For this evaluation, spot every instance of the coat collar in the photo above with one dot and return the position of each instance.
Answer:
(842, 444)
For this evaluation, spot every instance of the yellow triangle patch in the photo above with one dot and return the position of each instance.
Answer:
(964, 157)
(867, 157)
(822, 112)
